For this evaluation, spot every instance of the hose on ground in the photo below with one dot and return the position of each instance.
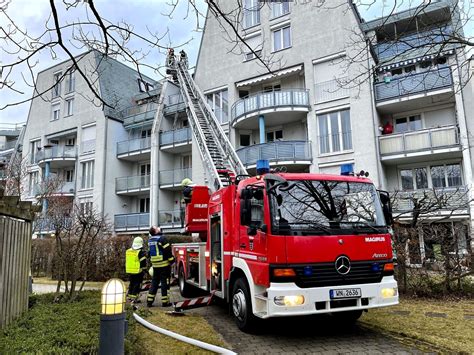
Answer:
(201, 344)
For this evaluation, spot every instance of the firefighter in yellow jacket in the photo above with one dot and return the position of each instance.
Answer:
(161, 259)
(135, 266)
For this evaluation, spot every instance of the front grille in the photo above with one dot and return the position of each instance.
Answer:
(325, 274)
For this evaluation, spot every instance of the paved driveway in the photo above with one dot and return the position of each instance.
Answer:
(299, 335)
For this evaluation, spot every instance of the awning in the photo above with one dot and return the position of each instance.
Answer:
(413, 61)
(65, 133)
(278, 74)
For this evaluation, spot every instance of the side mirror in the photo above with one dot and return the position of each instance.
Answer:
(386, 206)
(263, 228)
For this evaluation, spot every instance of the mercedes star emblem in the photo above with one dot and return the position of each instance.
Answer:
(343, 265)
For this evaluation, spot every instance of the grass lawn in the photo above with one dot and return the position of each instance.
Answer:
(190, 325)
(449, 333)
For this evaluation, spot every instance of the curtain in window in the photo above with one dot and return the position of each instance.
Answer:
(336, 144)
(346, 130)
(323, 134)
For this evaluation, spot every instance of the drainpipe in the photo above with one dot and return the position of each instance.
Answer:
(104, 166)
(261, 126)
(46, 177)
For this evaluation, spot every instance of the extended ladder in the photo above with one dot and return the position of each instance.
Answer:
(220, 160)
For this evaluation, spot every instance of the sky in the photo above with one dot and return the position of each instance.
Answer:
(145, 16)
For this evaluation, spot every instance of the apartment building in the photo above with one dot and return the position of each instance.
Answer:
(408, 125)
(100, 154)
(9, 136)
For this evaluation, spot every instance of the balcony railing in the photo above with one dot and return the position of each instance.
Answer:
(132, 183)
(176, 136)
(425, 139)
(8, 145)
(132, 221)
(174, 177)
(138, 114)
(414, 84)
(88, 146)
(67, 187)
(174, 103)
(448, 198)
(330, 90)
(133, 145)
(171, 219)
(276, 151)
(268, 100)
(404, 44)
(56, 152)
(43, 225)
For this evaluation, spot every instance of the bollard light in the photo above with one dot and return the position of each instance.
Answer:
(112, 318)
(113, 297)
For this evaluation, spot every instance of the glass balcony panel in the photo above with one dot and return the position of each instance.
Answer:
(444, 137)
(132, 183)
(171, 218)
(417, 140)
(275, 151)
(392, 144)
(133, 145)
(132, 221)
(174, 177)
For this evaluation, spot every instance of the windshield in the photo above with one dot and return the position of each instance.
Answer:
(325, 207)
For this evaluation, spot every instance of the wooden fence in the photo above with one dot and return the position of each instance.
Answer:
(15, 252)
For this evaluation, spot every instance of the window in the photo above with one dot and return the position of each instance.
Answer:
(56, 112)
(70, 81)
(244, 140)
(86, 207)
(57, 84)
(281, 38)
(69, 175)
(256, 44)
(270, 88)
(280, 8)
(87, 181)
(186, 161)
(146, 133)
(70, 141)
(145, 169)
(33, 181)
(219, 104)
(251, 13)
(35, 148)
(184, 123)
(144, 205)
(440, 176)
(335, 132)
(405, 124)
(69, 107)
(274, 135)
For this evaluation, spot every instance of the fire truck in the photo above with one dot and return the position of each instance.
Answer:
(281, 244)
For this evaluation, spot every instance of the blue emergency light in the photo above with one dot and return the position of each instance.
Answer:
(347, 169)
(263, 167)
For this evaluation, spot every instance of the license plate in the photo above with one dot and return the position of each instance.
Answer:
(345, 293)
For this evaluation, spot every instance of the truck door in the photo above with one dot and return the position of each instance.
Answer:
(216, 261)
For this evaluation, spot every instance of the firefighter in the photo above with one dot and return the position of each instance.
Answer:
(161, 259)
(188, 189)
(135, 266)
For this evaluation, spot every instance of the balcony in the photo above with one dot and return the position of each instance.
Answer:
(138, 115)
(406, 45)
(443, 141)
(171, 219)
(49, 225)
(132, 185)
(176, 141)
(8, 145)
(291, 101)
(451, 200)
(65, 189)
(59, 156)
(174, 104)
(171, 179)
(278, 153)
(331, 90)
(413, 86)
(132, 222)
(134, 149)
(88, 147)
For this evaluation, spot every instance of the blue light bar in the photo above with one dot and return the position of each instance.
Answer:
(263, 167)
(347, 169)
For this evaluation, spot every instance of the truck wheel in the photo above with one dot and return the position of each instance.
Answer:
(347, 317)
(242, 307)
(185, 289)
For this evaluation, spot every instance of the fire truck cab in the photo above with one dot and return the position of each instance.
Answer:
(290, 244)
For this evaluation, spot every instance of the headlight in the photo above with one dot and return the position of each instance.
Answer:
(389, 292)
(289, 301)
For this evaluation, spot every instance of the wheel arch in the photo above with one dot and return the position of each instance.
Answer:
(240, 269)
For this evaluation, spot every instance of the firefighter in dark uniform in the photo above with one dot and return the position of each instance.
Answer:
(135, 266)
(159, 251)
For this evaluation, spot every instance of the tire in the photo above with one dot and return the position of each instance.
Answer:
(348, 317)
(185, 289)
(241, 307)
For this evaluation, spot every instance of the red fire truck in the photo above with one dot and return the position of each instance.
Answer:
(281, 244)
(290, 244)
